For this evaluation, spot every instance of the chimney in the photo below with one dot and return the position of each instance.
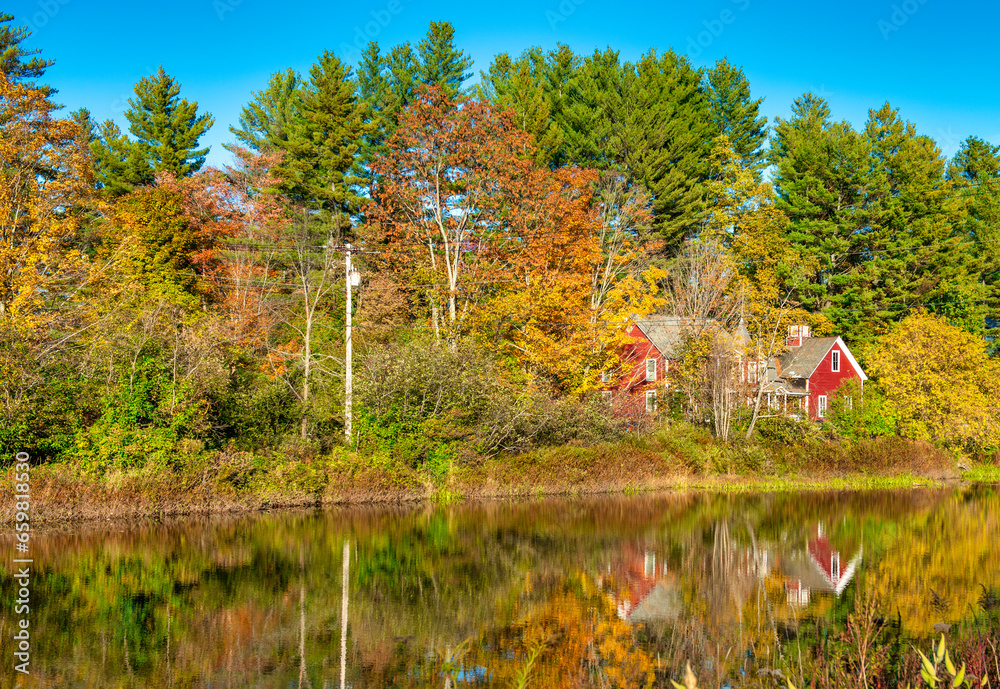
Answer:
(796, 335)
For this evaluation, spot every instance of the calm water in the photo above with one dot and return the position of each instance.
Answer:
(572, 592)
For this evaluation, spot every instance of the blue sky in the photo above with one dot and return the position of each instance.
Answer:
(936, 61)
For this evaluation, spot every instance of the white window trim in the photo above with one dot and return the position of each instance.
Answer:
(648, 378)
(605, 376)
(607, 397)
(651, 400)
(821, 406)
(835, 361)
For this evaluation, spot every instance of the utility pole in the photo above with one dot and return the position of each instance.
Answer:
(348, 357)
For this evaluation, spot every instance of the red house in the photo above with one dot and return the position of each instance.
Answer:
(804, 379)
(636, 387)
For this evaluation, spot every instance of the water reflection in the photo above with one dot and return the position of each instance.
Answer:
(610, 592)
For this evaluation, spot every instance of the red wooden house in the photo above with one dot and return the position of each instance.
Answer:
(637, 386)
(801, 382)
(804, 378)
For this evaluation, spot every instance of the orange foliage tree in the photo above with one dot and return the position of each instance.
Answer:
(530, 259)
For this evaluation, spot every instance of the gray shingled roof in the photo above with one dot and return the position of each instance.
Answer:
(802, 361)
(667, 332)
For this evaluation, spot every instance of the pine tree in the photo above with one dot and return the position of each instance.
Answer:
(322, 158)
(267, 119)
(119, 164)
(821, 174)
(976, 160)
(520, 87)
(440, 63)
(874, 211)
(585, 116)
(735, 114)
(561, 89)
(386, 85)
(167, 128)
(17, 63)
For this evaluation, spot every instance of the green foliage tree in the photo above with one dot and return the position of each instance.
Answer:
(321, 161)
(440, 63)
(265, 122)
(736, 114)
(166, 130)
(875, 213)
(388, 82)
(17, 63)
(651, 121)
(520, 86)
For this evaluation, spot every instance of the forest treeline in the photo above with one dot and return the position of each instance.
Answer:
(153, 309)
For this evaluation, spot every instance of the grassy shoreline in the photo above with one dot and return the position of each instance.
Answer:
(242, 483)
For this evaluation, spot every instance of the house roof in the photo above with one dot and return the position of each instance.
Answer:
(667, 332)
(801, 362)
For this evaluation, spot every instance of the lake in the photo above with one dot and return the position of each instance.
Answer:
(613, 591)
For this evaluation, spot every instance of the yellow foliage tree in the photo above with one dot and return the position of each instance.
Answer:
(742, 214)
(44, 175)
(941, 381)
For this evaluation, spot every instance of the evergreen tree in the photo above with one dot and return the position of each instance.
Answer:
(167, 128)
(265, 121)
(119, 164)
(20, 64)
(976, 160)
(735, 114)
(560, 83)
(975, 172)
(821, 174)
(874, 211)
(386, 85)
(520, 87)
(320, 169)
(439, 62)
(586, 116)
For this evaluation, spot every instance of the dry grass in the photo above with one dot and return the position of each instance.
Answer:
(679, 459)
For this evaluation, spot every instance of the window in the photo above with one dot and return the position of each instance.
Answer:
(650, 369)
(835, 361)
(650, 400)
(821, 410)
(849, 402)
(605, 376)
(606, 397)
(835, 566)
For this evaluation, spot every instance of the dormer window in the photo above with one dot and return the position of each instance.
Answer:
(835, 361)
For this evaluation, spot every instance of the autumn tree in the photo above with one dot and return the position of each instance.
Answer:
(453, 170)
(45, 178)
(44, 175)
(743, 216)
(941, 382)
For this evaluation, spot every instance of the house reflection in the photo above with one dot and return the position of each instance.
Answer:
(643, 587)
(820, 568)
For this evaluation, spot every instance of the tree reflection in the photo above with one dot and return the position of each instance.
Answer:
(610, 592)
